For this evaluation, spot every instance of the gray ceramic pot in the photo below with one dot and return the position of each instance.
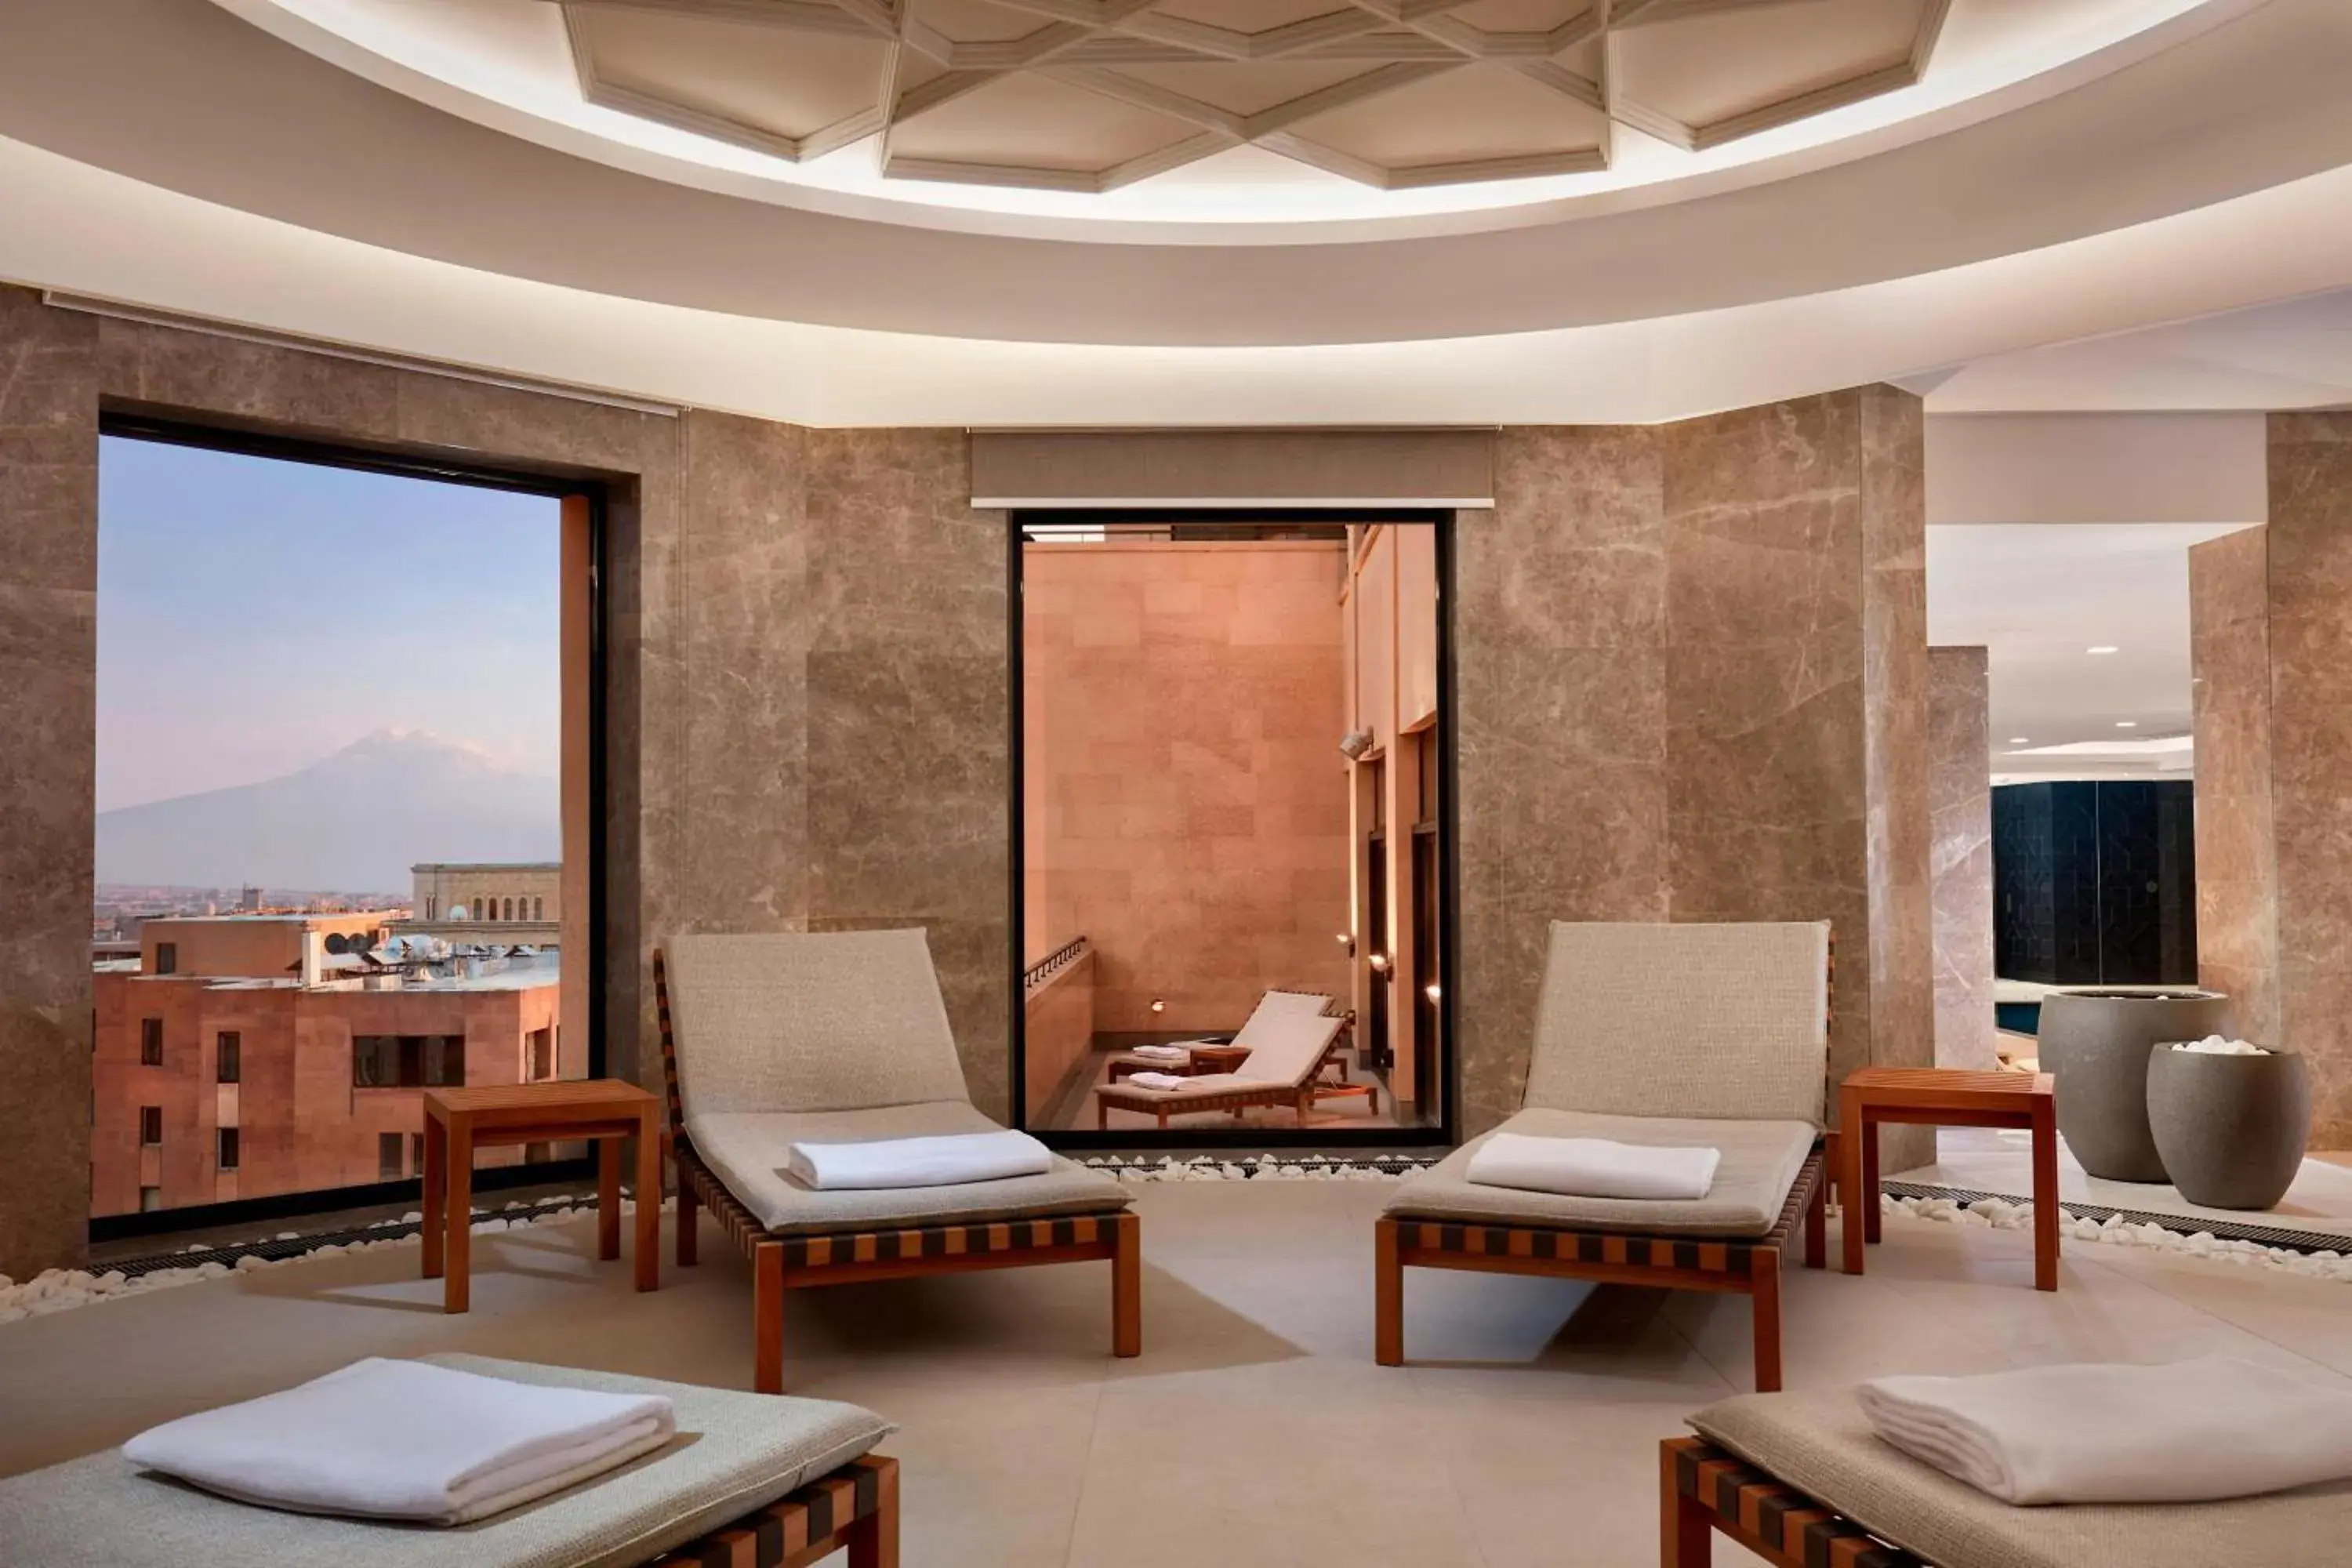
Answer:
(2232, 1129)
(2096, 1043)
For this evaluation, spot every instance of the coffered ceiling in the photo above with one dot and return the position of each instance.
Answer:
(1094, 95)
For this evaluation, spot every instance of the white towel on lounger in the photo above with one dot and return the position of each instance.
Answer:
(404, 1439)
(2191, 1432)
(1158, 1080)
(1592, 1167)
(938, 1162)
(1164, 1053)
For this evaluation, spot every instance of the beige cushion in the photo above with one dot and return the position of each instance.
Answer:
(809, 1021)
(734, 1452)
(1760, 1162)
(1818, 1442)
(1685, 1020)
(745, 1151)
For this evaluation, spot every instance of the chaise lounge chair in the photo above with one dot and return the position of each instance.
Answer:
(1801, 1479)
(749, 1481)
(1271, 1004)
(1285, 1067)
(840, 1038)
(1663, 1035)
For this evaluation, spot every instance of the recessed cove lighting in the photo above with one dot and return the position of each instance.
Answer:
(2020, 740)
(2104, 647)
(2126, 723)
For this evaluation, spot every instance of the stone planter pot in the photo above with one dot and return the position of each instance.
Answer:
(2232, 1129)
(2097, 1044)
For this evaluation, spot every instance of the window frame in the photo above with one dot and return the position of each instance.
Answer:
(566, 484)
(1446, 1132)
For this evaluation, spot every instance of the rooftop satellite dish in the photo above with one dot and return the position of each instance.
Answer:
(338, 943)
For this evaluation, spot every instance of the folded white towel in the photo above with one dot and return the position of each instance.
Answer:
(939, 1162)
(404, 1439)
(2191, 1432)
(1163, 1053)
(1592, 1167)
(1159, 1080)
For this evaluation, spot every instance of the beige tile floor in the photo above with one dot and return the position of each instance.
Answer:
(1255, 1429)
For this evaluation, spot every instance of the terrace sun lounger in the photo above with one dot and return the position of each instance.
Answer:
(1270, 1005)
(838, 1037)
(1674, 1035)
(747, 1480)
(1801, 1479)
(1285, 1067)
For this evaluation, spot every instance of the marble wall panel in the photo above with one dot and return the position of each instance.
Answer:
(2310, 633)
(48, 591)
(741, 860)
(1960, 799)
(909, 757)
(1561, 683)
(2237, 848)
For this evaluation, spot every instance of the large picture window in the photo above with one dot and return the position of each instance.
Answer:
(340, 703)
(1234, 798)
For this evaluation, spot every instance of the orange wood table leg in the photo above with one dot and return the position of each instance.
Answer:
(649, 1203)
(1816, 1223)
(1867, 1193)
(1686, 1538)
(1388, 1295)
(436, 1194)
(608, 1198)
(2046, 1196)
(456, 1287)
(1850, 1178)
(687, 1240)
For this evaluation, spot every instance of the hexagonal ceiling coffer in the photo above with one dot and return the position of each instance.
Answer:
(1091, 95)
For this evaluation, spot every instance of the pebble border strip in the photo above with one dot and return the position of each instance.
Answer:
(2121, 1227)
(57, 1289)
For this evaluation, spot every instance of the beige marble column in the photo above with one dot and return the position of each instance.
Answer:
(1960, 790)
(1796, 538)
(2237, 849)
(1561, 693)
(48, 592)
(1691, 674)
(2310, 635)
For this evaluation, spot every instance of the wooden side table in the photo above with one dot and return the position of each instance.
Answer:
(1219, 1058)
(1943, 1097)
(604, 1110)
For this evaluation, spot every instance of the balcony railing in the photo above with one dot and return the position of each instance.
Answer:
(1054, 963)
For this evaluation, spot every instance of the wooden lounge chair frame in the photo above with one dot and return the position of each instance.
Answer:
(1702, 1489)
(855, 1508)
(791, 1261)
(1301, 1098)
(1748, 1265)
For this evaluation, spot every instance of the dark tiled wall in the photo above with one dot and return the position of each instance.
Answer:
(2095, 882)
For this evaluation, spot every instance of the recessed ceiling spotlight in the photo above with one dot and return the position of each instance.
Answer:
(2020, 740)
(2104, 647)
(2126, 723)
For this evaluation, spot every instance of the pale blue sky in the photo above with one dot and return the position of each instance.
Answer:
(256, 615)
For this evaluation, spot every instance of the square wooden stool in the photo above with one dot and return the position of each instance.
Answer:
(606, 1110)
(1943, 1097)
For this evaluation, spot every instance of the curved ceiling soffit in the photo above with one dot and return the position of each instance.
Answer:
(192, 99)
